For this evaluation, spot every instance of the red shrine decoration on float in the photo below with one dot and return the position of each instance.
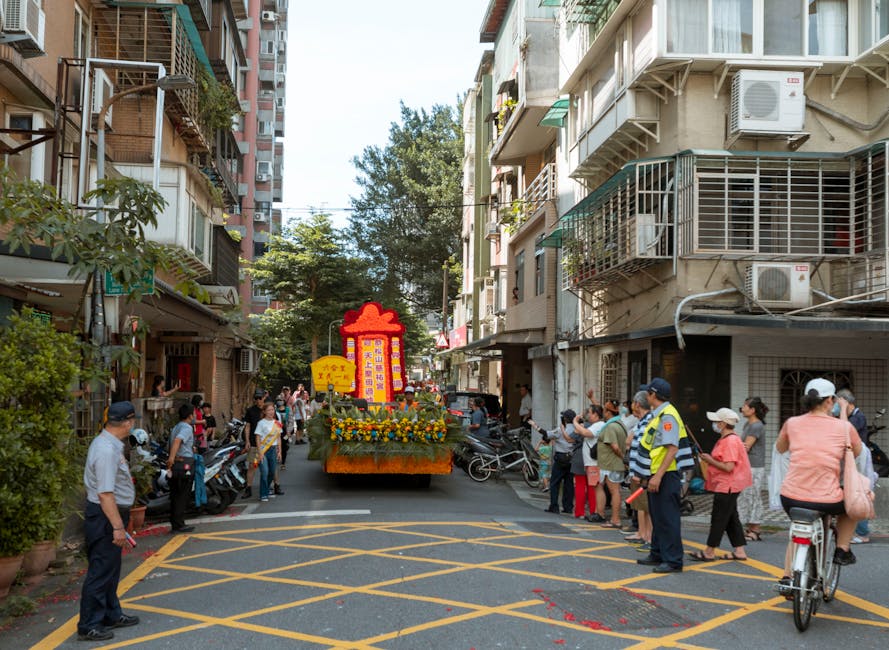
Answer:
(373, 339)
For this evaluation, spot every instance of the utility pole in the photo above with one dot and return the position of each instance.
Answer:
(444, 298)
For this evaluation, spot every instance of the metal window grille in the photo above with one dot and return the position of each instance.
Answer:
(609, 371)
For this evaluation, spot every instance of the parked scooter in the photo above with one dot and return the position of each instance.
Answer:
(878, 456)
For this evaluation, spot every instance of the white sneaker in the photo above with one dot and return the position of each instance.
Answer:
(264, 499)
(860, 540)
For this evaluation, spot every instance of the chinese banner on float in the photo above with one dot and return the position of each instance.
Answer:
(373, 339)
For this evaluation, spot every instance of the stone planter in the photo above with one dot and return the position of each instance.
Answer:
(37, 560)
(9, 569)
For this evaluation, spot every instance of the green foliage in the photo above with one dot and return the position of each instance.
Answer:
(142, 473)
(407, 221)
(217, 102)
(311, 272)
(286, 353)
(38, 448)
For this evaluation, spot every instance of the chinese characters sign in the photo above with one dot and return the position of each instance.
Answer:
(335, 370)
(373, 341)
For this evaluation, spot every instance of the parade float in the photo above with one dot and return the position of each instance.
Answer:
(362, 430)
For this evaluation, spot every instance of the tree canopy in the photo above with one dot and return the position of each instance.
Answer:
(407, 221)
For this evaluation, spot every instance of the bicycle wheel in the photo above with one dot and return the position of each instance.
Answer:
(479, 469)
(803, 600)
(831, 571)
(530, 474)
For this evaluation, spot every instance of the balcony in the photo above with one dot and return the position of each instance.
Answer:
(226, 54)
(224, 271)
(200, 13)
(527, 96)
(159, 34)
(717, 205)
(183, 223)
(622, 227)
(542, 189)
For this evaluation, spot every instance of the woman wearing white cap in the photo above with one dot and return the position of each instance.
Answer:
(727, 476)
(817, 443)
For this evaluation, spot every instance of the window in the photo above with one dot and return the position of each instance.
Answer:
(518, 290)
(198, 231)
(687, 27)
(793, 382)
(783, 28)
(608, 376)
(81, 35)
(268, 47)
(539, 267)
(828, 27)
(259, 249)
(31, 163)
(732, 26)
(265, 128)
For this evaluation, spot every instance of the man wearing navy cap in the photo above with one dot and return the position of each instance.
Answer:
(109, 495)
(663, 451)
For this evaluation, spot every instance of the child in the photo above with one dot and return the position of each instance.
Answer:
(210, 421)
(545, 450)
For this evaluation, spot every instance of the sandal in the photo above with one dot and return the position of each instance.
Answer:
(738, 558)
(698, 556)
(634, 539)
(609, 524)
(752, 536)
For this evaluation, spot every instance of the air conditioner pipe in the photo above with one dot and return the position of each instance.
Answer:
(845, 119)
(694, 296)
(829, 297)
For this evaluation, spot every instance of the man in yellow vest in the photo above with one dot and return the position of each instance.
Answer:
(658, 448)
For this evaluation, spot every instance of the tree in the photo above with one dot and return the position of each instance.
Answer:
(407, 221)
(310, 271)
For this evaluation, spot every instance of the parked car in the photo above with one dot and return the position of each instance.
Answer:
(458, 404)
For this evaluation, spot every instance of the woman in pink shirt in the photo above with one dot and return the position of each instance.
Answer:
(817, 442)
(727, 476)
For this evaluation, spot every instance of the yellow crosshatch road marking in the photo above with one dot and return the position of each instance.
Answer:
(332, 539)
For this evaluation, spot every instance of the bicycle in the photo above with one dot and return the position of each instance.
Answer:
(815, 574)
(517, 454)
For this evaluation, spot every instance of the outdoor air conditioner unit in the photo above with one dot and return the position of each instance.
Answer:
(27, 18)
(263, 177)
(779, 285)
(261, 217)
(248, 360)
(493, 230)
(269, 16)
(102, 90)
(768, 101)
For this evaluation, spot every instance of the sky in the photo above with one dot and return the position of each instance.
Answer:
(349, 63)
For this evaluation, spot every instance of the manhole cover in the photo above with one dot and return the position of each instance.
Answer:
(615, 609)
(545, 528)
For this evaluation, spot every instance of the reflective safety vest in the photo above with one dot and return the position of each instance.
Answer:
(650, 458)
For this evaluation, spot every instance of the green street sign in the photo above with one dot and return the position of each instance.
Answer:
(114, 288)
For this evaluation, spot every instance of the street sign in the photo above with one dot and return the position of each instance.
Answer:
(145, 285)
(441, 341)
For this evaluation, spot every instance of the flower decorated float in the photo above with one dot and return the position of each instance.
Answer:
(362, 430)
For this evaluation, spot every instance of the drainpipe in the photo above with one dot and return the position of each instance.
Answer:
(694, 296)
(845, 119)
(829, 297)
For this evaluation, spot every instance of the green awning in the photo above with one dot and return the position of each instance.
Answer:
(552, 240)
(550, 3)
(555, 116)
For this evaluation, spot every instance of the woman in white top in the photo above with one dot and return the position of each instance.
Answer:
(585, 486)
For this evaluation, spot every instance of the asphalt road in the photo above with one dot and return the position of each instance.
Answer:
(380, 563)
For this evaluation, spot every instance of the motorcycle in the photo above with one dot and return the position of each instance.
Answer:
(878, 456)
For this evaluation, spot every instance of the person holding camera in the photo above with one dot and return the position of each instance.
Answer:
(563, 448)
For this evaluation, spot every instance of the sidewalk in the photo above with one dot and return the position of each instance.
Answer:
(772, 519)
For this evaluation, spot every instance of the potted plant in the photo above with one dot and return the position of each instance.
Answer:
(38, 365)
(143, 474)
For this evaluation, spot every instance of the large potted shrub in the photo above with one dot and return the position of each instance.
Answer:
(38, 368)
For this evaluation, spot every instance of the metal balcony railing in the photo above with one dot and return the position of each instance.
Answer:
(594, 12)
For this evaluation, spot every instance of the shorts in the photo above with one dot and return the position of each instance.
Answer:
(612, 476)
(544, 470)
(300, 425)
(827, 508)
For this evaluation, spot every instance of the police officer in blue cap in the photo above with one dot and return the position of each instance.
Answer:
(109, 495)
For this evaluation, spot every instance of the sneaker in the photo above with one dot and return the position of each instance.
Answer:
(125, 620)
(278, 490)
(554, 509)
(595, 518)
(263, 499)
(95, 634)
(843, 558)
(283, 467)
(272, 495)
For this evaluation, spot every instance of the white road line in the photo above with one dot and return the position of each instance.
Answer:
(279, 515)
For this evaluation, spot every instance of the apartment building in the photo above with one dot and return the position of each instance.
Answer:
(60, 68)
(721, 213)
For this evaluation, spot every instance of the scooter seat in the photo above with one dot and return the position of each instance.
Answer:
(804, 515)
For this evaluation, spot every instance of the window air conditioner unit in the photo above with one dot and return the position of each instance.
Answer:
(779, 285)
(263, 177)
(768, 101)
(493, 230)
(102, 90)
(248, 360)
(269, 16)
(27, 18)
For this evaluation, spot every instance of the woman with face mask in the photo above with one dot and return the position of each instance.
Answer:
(728, 474)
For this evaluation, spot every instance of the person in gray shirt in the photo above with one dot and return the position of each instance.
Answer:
(563, 449)
(753, 434)
(109, 495)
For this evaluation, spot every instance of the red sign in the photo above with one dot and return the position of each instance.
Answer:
(372, 340)
(458, 337)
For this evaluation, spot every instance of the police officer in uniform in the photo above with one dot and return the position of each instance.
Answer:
(109, 494)
(663, 451)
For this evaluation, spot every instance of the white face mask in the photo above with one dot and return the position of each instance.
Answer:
(716, 428)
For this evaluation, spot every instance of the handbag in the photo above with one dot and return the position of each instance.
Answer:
(858, 498)
(592, 475)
